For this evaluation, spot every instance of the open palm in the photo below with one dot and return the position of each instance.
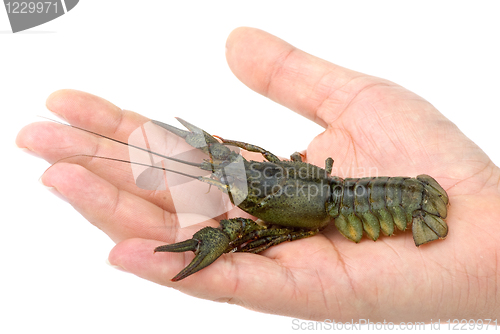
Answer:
(373, 127)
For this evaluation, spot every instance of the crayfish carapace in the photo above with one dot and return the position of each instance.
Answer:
(295, 200)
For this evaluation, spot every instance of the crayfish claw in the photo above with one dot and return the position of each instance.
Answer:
(195, 137)
(192, 128)
(184, 246)
(208, 244)
(173, 129)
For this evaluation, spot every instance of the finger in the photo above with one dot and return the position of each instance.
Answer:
(98, 115)
(365, 114)
(312, 87)
(59, 143)
(53, 141)
(101, 117)
(118, 213)
(166, 189)
(94, 113)
(236, 278)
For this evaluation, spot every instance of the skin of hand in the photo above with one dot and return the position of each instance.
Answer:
(369, 122)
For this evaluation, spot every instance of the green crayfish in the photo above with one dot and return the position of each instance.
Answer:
(295, 200)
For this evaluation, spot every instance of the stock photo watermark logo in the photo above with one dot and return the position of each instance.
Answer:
(28, 14)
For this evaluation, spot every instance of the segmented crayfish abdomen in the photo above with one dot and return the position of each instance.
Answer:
(380, 204)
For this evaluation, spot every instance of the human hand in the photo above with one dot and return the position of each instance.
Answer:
(369, 123)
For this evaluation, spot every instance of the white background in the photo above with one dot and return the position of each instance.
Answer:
(166, 60)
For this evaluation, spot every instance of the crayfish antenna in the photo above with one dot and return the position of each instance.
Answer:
(127, 144)
(208, 244)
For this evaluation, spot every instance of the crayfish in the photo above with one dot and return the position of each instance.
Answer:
(294, 200)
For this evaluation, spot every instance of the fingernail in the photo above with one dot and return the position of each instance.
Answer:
(59, 116)
(28, 151)
(53, 190)
(115, 266)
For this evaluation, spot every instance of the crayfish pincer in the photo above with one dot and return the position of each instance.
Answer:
(295, 200)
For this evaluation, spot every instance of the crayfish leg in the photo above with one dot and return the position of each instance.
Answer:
(296, 157)
(251, 148)
(264, 239)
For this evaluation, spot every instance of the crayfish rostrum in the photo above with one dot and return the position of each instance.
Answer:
(294, 200)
